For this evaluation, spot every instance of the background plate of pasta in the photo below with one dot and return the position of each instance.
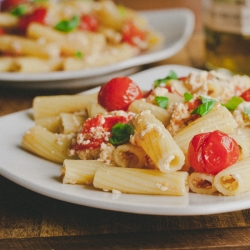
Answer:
(180, 146)
(54, 44)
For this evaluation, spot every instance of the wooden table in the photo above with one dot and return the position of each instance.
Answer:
(31, 221)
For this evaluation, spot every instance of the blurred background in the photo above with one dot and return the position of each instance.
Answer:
(194, 5)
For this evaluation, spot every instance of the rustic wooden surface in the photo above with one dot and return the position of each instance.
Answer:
(31, 221)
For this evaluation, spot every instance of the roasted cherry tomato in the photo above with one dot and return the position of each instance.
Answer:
(95, 131)
(246, 95)
(38, 16)
(118, 93)
(7, 5)
(133, 35)
(212, 152)
(89, 22)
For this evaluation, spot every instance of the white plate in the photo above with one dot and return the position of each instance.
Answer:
(176, 26)
(42, 176)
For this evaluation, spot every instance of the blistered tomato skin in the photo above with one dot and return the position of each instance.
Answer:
(212, 152)
(119, 93)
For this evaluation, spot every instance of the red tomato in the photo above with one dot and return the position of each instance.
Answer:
(194, 104)
(132, 35)
(38, 16)
(118, 93)
(9, 4)
(212, 152)
(96, 131)
(89, 22)
(246, 95)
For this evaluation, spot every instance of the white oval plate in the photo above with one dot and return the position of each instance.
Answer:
(42, 176)
(176, 26)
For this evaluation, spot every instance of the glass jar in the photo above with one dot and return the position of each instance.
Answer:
(227, 35)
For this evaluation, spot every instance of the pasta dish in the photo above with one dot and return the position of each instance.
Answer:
(47, 35)
(186, 134)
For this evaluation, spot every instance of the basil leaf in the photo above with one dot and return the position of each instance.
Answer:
(121, 133)
(247, 112)
(205, 107)
(233, 103)
(79, 54)
(68, 25)
(171, 75)
(188, 96)
(18, 11)
(162, 101)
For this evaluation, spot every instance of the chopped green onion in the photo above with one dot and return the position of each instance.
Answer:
(68, 25)
(188, 96)
(121, 133)
(162, 101)
(233, 103)
(171, 75)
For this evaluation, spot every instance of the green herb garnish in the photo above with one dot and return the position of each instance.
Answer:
(162, 101)
(171, 75)
(68, 25)
(233, 103)
(79, 54)
(188, 97)
(121, 133)
(205, 107)
(20, 10)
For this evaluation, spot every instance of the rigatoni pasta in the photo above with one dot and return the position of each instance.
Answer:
(81, 34)
(147, 148)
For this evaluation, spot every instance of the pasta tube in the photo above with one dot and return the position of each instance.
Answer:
(161, 114)
(25, 46)
(45, 106)
(52, 123)
(53, 147)
(201, 183)
(128, 155)
(234, 180)
(242, 137)
(219, 118)
(140, 181)
(85, 42)
(35, 64)
(79, 171)
(157, 142)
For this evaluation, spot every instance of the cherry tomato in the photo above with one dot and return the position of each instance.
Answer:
(212, 152)
(118, 93)
(246, 95)
(38, 16)
(95, 131)
(7, 5)
(132, 35)
(89, 22)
